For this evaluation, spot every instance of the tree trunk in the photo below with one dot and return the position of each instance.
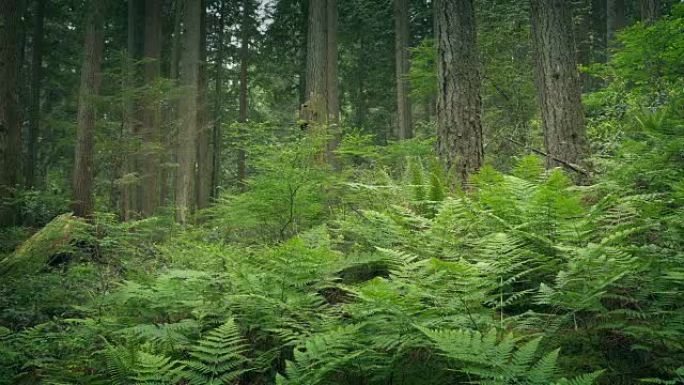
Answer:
(616, 19)
(129, 191)
(331, 69)
(83, 176)
(244, 93)
(167, 173)
(401, 23)
(557, 81)
(315, 108)
(10, 130)
(204, 157)
(187, 138)
(218, 101)
(152, 110)
(332, 86)
(650, 11)
(34, 107)
(459, 103)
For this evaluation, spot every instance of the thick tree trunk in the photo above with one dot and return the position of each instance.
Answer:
(459, 103)
(315, 108)
(10, 130)
(204, 148)
(187, 137)
(152, 110)
(244, 92)
(83, 175)
(322, 107)
(616, 19)
(34, 107)
(557, 81)
(650, 11)
(401, 31)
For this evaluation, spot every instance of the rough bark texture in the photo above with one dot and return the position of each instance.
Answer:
(322, 107)
(187, 137)
(152, 110)
(244, 90)
(616, 19)
(557, 81)
(204, 148)
(650, 11)
(401, 34)
(83, 175)
(10, 130)
(34, 107)
(315, 108)
(459, 104)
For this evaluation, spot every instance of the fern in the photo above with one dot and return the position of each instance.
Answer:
(218, 358)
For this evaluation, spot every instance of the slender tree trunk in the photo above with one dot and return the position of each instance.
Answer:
(83, 175)
(244, 92)
(332, 86)
(650, 11)
(616, 19)
(10, 130)
(218, 101)
(152, 110)
(187, 143)
(129, 199)
(401, 23)
(204, 148)
(459, 103)
(34, 108)
(168, 174)
(557, 81)
(331, 69)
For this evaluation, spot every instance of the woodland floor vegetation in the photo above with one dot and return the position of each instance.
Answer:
(383, 267)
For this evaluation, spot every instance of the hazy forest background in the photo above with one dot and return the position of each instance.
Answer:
(341, 192)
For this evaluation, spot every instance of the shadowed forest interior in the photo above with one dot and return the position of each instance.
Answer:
(341, 192)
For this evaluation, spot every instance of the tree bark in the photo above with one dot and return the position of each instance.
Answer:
(244, 92)
(459, 103)
(315, 108)
(218, 100)
(557, 81)
(36, 80)
(187, 143)
(331, 69)
(152, 110)
(83, 175)
(168, 174)
(204, 156)
(10, 129)
(650, 11)
(332, 86)
(401, 23)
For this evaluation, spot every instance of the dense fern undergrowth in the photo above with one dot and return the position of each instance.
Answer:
(379, 274)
